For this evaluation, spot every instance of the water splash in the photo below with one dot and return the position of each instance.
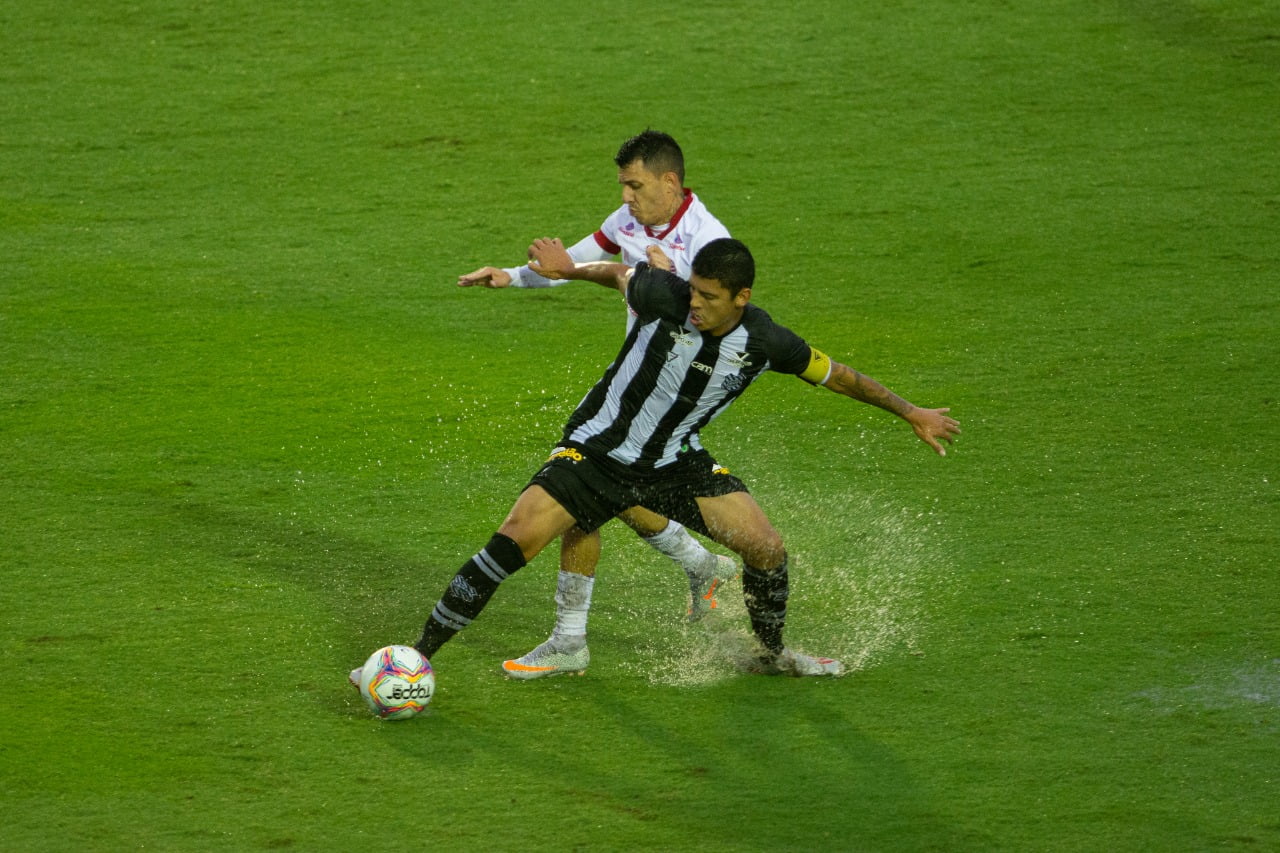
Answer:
(864, 575)
(1219, 686)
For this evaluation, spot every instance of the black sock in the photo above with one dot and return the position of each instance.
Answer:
(469, 591)
(765, 592)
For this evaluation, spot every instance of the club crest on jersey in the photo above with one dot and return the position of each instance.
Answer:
(733, 382)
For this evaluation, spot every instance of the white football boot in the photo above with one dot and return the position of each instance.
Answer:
(554, 657)
(702, 591)
(797, 664)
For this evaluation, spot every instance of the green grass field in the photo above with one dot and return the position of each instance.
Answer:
(249, 427)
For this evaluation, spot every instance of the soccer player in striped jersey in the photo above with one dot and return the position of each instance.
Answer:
(657, 210)
(695, 347)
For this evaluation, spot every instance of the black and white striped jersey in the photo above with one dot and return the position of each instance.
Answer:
(669, 380)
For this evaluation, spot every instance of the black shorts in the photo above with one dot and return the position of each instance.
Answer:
(594, 490)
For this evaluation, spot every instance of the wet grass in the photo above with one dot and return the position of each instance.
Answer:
(250, 428)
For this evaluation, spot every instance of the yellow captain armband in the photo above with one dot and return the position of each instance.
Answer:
(819, 369)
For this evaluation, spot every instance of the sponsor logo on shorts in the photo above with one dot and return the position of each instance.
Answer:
(566, 453)
(719, 469)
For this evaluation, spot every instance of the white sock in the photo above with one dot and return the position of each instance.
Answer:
(678, 544)
(573, 603)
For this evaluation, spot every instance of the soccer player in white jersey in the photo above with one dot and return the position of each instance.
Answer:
(694, 348)
(657, 210)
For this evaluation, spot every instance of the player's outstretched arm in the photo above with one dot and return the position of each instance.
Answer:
(933, 426)
(584, 251)
(485, 277)
(547, 257)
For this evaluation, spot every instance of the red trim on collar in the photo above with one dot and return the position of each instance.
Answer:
(675, 220)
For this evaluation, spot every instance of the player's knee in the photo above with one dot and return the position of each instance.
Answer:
(765, 550)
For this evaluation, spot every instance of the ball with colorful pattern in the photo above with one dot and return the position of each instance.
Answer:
(397, 682)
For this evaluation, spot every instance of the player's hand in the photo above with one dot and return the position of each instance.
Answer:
(932, 425)
(548, 258)
(485, 277)
(658, 259)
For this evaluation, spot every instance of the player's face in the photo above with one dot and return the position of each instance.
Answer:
(712, 310)
(653, 199)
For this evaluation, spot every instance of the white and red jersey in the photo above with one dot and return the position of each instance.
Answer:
(689, 230)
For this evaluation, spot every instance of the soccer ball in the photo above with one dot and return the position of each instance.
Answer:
(397, 682)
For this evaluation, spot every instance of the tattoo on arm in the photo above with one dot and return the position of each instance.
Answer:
(845, 380)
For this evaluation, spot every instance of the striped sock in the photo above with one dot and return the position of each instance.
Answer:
(469, 591)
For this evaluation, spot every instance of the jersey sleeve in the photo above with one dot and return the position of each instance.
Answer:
(790, 353)
(819, 369)
(606, 244)
(606, 236)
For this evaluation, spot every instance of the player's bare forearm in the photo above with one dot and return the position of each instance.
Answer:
(849, 382)
(932, 426)
(606, 273)
(549, 258)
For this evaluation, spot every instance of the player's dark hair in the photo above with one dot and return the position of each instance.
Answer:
(658, 151)
(727, 261)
